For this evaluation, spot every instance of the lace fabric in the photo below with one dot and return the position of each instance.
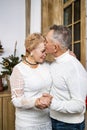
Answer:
(17, 83)
(17, 90)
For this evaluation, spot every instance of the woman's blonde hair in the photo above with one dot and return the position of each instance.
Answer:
(32, 41)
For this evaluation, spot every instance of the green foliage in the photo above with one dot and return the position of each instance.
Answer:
(8, 63)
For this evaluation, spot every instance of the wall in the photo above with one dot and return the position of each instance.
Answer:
(35, 16)
(12, 26)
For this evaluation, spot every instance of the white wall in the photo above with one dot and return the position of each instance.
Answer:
(12, 26)
(35, 19)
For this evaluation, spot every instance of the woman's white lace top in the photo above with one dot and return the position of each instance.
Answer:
(28, 84)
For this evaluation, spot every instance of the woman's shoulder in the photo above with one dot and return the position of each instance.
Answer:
(19, 65)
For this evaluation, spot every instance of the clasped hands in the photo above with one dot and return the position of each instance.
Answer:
(44, 101)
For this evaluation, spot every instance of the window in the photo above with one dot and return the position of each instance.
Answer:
(74, 18)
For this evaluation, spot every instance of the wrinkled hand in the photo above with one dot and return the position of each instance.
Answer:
(44, 101)
(39, 105)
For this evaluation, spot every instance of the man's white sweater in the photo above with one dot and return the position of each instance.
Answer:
(69, 89)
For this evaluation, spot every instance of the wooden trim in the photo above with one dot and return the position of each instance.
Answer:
(72, 27)
(52, 13)
(28, 5)
(75, 42)
(8, 114)
(1, 115)
(5, 93)
(83, 32)
(44, 15)
(68, 3)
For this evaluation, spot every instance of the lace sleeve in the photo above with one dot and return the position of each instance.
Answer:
(17, 91)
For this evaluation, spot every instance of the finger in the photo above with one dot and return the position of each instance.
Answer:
(46, 103)
(46, 95)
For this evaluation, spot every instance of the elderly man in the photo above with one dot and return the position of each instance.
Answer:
(69, 87)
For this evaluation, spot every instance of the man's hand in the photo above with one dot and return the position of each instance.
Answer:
(39, 105)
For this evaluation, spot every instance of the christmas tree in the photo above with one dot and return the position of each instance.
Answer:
(9, 62)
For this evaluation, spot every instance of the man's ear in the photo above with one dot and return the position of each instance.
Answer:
(56, 47)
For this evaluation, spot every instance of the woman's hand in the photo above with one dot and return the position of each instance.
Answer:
(72, 53)
(44, 101)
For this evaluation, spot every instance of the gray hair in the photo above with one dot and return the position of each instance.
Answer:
(61, 34)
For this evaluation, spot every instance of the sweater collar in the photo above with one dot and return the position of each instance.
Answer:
(62, 57)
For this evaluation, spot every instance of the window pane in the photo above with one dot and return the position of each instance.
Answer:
(77, 50)
(77, 10)
(68, 15)
(70, 47)
(77, 32)
(70, 27)
(65, 1)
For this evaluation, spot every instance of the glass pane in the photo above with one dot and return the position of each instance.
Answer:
(77, 50)
(77, 32)
(64, 1)
(70, 27)
(77, 10)
(70, 47)
(68, 15)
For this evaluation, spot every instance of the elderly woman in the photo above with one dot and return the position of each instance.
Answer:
(30, 79)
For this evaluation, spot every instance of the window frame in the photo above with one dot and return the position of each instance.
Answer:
(82, 28)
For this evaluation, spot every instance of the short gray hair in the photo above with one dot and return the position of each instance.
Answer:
(61, 34)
